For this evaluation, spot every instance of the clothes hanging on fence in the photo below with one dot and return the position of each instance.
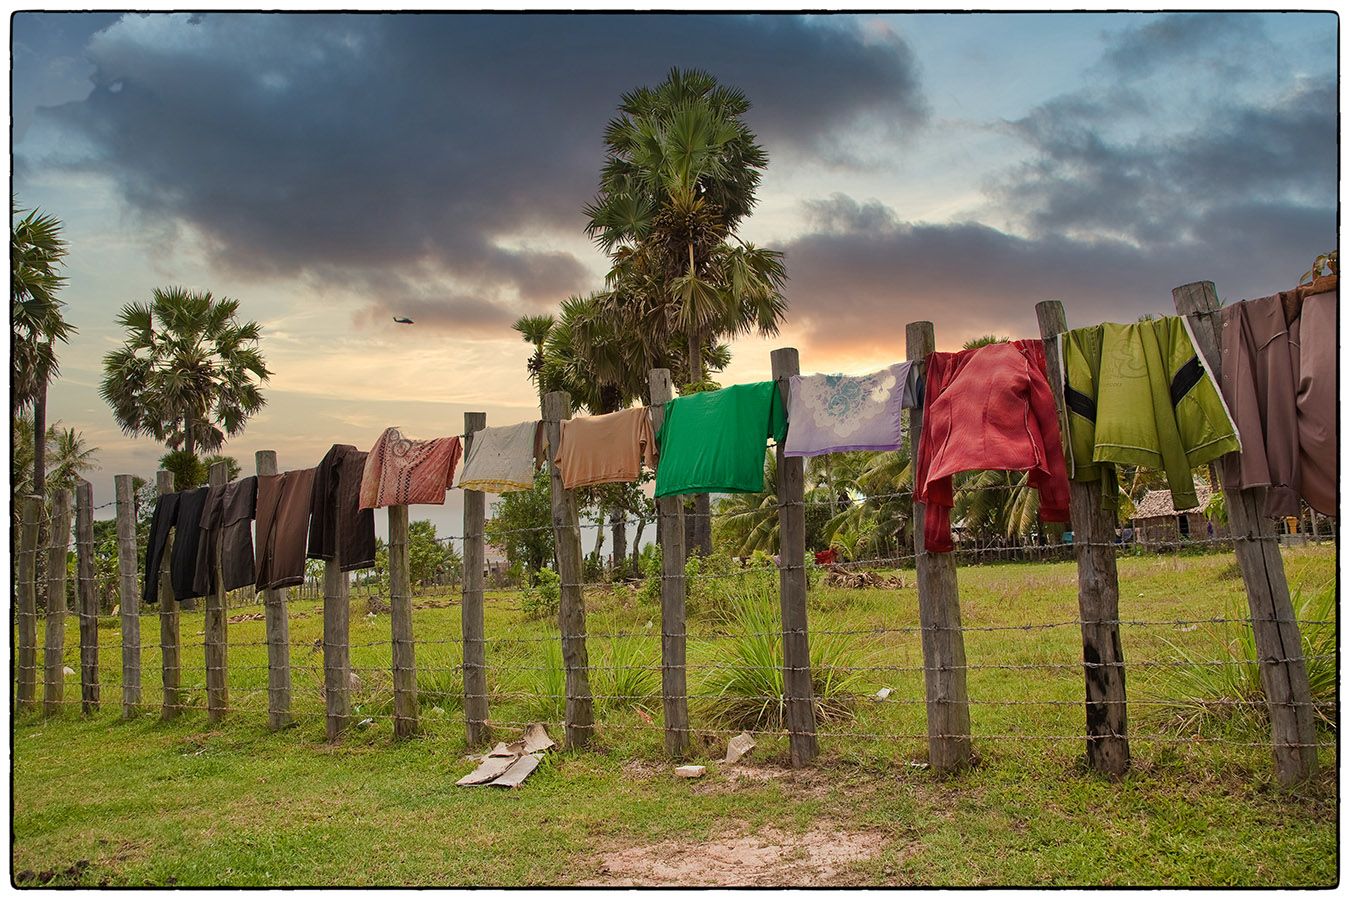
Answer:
(503, 458)
(229, 510)
(1279, 380)
(187, 533)
(403, 472)
(161, 524)
(988, 408)
(606, 449)
(335, 510)
(283, 526)
(833, 413)
(713, 442)
(1140, 395)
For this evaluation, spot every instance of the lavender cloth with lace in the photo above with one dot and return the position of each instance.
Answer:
(832, 413)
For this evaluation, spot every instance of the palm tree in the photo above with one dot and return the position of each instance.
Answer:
(534, 331)
(37, 252)
(585, 355)
(189, 374)
(70, 457)
(749, 522)
(680, 175)
(872, 495)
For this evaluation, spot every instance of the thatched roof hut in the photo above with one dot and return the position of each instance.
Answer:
(1157, 521)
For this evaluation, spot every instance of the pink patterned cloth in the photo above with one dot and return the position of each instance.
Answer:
(402, 472)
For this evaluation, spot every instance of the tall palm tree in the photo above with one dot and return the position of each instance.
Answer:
(37, 253)
(189, 374)
(681, 172)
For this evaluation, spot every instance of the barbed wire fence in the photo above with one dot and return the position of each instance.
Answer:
(871, 683)
(440, 673)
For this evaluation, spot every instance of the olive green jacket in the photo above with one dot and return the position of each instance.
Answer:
(1141, 395)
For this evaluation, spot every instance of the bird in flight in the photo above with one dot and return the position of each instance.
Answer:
(403, 320)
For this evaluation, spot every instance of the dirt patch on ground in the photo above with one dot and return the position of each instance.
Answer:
(766, 857)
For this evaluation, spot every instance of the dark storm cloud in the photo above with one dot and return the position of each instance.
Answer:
(327, 145)
(856, 283)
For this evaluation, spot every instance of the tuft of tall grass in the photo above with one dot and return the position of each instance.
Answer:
(628, 674)
(546, 682)
(1198, 694)
(748, 677)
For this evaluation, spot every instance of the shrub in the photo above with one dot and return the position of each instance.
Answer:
(540, 600)
(712, 581)
(649, 564)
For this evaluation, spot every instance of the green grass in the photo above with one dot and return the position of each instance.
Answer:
(142, 802)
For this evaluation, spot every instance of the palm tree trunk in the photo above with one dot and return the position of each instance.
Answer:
(40, 481)
(699, 534)
(619, 529)
(637, 545)
(40, 437)
(189, 444)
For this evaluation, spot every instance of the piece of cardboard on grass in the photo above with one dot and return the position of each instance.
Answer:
(518, 772)
(510, 763)
(738, 746)
(490, 769)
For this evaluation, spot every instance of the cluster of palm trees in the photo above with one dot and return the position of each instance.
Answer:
(37, 327)
(680, 175)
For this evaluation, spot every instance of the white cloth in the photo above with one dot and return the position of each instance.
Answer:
(502, 459)
(832, 413)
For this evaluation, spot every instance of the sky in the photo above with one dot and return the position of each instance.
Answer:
(333, 171)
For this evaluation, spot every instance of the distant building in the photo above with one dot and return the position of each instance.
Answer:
(494, 559)
(1156, 521)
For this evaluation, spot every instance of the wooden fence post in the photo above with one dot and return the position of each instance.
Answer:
(278, 629)
(1279, 643)
(216, 617)
(400, 625)
(1094, 531)
(471, 607)
(670, 529)
(170, 639)
(26, 564)
(944, 646)
(580, 716)
(54, 675)
(129, 595)
(337, 663)
(797, 689)
(86, 596)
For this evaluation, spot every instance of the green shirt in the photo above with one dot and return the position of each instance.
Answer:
(713, 442)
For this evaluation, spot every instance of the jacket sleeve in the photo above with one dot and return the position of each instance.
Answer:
(1052, 480)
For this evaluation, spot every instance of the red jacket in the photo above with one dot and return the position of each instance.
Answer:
(988, 408)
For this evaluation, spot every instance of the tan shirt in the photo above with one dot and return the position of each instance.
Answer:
(606, 449)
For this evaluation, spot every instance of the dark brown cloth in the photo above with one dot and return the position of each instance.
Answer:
(337, 524)
(161, 524)
(283, 524)
(187, 534)
(229, 510)
(1279, 382)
